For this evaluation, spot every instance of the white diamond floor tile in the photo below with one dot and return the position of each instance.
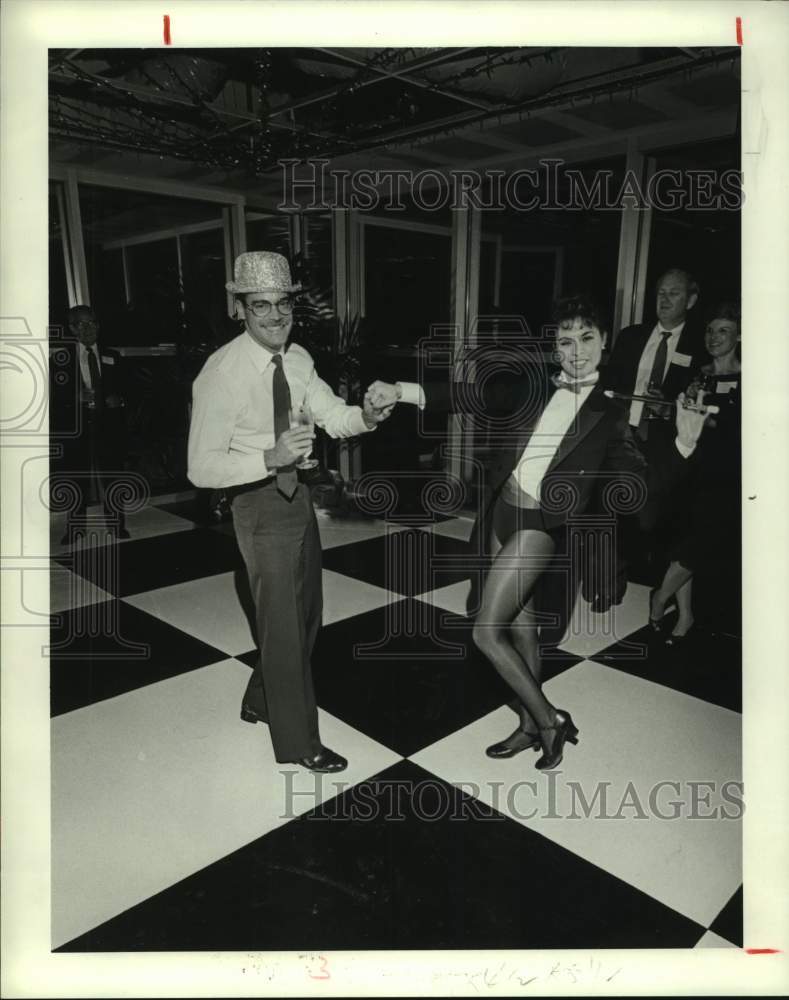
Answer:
(154, 785)
(457, 527)
(588, 632)
(208, 609)
(335, 531)
(631, 731)
(451, 598)
(67, 590)
(148, 523)
(713, 940)
(344, 596)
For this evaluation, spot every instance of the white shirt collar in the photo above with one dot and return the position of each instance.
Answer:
(258, 355)
(676, 332)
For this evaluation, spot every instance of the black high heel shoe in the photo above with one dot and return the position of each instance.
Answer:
(675, 641)
(553, 739)
(515, 743)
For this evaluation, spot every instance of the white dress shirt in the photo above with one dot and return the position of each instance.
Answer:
(555, 423)
(233, 411)
(645, 366)
(556, 420)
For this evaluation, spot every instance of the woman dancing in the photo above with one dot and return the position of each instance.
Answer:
(572, 434)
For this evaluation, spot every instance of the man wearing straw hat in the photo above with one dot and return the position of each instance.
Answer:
(241, 439)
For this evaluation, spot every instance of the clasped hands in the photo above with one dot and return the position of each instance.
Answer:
(379, 401)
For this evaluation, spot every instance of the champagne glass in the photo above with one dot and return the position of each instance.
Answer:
(303, 417)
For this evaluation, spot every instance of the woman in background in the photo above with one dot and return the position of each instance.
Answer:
(712, 523)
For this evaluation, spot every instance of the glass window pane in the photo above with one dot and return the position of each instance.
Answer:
(154, 307)
(407, 284)
(205, 299)
(704, 240)
(269, 233)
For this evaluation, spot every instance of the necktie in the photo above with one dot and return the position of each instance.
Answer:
(655, 380)
(95, 379)
(287, 477)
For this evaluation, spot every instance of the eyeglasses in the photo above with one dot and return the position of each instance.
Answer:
(263, 307)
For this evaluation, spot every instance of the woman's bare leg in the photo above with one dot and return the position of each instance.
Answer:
(685, 608)
(675, 578)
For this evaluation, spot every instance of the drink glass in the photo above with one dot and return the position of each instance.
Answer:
(303, 418)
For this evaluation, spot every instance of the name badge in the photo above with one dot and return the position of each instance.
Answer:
(721, 387)
(681, 359)
(107, 361)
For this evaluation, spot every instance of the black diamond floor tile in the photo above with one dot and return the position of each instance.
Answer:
(728, 923)
(381, 673)
(151, 563)
(705, 666)
(194, 509)
(106, 649)
(408, 562)
(402, 861)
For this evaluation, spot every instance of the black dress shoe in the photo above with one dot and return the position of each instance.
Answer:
(324, 762)
(247, 715)
(514, 744)
(553, 739)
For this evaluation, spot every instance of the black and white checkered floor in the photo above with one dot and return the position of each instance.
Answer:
(174, 828)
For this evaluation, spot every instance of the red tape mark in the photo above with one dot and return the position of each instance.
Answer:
(739, 31)
(168, 40)
(762, 951)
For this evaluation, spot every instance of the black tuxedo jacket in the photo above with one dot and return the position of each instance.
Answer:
(596, 451)
(594, 454)
(621, 370)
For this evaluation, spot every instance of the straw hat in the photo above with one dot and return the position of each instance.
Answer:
(261, 271)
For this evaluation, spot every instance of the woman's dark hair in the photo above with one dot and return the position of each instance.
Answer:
(578, 307)
(728, 309)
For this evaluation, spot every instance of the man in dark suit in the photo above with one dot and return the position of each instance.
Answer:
(88, 419)
(654, 359)
(657, 359)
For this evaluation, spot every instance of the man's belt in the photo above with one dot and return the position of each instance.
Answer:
(235, 491)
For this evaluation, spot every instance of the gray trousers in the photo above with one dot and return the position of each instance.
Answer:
(281, 547)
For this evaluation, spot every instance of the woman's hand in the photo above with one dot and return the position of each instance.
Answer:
(383, 394)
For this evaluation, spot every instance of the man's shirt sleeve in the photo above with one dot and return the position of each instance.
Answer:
(331, 412)
(413, 393)
(211, 463)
